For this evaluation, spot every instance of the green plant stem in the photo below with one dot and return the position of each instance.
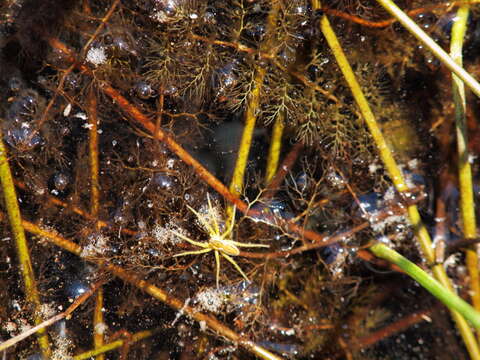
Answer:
(467, 204)
(449, 298)
(275, 148)
(395, 174)
(15, 219)
(431, 45)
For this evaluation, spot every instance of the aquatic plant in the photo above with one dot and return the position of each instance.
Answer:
(138, 131)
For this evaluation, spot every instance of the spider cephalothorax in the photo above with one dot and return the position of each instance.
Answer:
(220, 243)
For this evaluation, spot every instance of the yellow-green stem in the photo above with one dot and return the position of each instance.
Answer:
(236, 185)
(98, 323)
(465, 172)
(395, 174)
(275, 148)
(113, 345)
(23, 253)
(467, 205)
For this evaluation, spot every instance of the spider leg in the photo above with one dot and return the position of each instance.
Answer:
(196, 252)
(240, 244)
(217, 264)
(202, 220)
(232, 223)
(193, 242)
(216, 228)
(234, 263)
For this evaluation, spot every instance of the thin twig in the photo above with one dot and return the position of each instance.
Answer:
(75, 209)
(66, 314)
(380, 24)
(93, 122)
(282, 171)
(100, 26)
(389, 330)
(341, 236)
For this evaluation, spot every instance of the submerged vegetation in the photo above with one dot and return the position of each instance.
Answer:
(136, 132)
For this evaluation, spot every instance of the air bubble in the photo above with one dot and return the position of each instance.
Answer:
(23, 107)
(144, 91)
(22, 136)
(61, 181)
(163, 181)
(15, 84)
(76, 289)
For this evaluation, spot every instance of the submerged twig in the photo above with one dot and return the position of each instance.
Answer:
(283, 170)
(75, 209)
(93, 121)
(379, 24)
(66, 314)
(100, 26)
(390, 330)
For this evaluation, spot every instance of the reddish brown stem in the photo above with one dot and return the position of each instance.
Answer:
(57, 202)
(283, 170)
(383, 23)
(389, 330)
(93, 153)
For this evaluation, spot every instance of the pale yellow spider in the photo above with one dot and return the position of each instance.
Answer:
(218, 242)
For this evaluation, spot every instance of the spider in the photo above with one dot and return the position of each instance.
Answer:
(219, 242)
